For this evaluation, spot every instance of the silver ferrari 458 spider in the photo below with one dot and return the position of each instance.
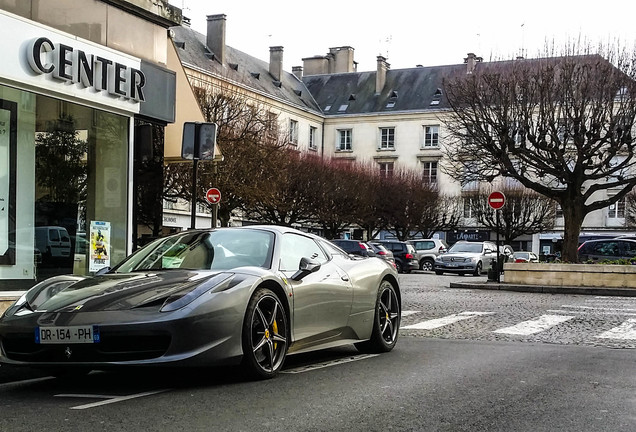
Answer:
(249, 295)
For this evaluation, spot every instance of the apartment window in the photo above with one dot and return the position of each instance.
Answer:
(293, 132)
(431, 136)
(344, 140)
(386, 169)
(312, 138)
(430, 172)
(468, 208)
(387, 138)
(617, 210)
(558, 213)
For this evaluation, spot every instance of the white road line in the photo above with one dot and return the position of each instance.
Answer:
(407, 313)
(599, 308)
(627, 330)
(544, 322)
(596, 313)
(28, 381)
(109, 399)
(441, 322)
(330, 363)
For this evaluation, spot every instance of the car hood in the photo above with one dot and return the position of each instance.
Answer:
(448, 255)
(121, 291)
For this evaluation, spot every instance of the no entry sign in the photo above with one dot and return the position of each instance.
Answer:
(496, 200)
(213, 195)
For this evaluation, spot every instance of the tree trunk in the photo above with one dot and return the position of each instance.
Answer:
(573, 217)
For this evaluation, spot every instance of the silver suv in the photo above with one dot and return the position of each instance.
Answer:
(427, 250)
(466, 257)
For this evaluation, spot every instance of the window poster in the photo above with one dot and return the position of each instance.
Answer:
(100, 245)
(8, 136)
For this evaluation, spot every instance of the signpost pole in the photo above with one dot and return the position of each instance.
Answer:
(498, 261)
(193, 205)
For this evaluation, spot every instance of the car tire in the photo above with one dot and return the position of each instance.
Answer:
(439, 272)
(399, 267)
(477, 271)
(386, 321)
(426, 264)
(265, 335)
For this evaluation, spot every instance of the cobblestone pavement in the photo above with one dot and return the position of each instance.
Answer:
(432, 309)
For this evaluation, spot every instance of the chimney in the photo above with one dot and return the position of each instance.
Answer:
(380, 77)
(471, 62)
(342, 59)
(215, 39)
(276, 62)
(298, 72)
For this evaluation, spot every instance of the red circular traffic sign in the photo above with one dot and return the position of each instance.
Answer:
(496, 200)
(213, 195)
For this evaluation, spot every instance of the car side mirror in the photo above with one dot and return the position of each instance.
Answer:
(102, 271)
(306, 267)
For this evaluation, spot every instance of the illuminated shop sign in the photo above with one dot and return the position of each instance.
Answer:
(69, 64)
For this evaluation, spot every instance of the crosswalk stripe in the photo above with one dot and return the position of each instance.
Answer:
(440, 322)
(540, 324)
(627, 330)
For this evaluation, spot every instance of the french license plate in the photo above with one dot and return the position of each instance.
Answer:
(67, 335)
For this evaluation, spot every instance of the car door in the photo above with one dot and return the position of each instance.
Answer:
(321, 300)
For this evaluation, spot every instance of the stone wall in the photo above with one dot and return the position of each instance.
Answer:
(578, 275)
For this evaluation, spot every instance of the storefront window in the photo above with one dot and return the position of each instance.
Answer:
(71, 176)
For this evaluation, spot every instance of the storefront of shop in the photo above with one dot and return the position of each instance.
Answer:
(69, 108)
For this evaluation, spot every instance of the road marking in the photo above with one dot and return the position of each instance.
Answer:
(599, 308)
(441, 322)
(330, 363)
(109, 399)
(596, 313)
(407, 313)
(627, 330)
(540, 324)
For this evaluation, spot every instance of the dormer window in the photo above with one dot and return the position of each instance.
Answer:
(343, 107)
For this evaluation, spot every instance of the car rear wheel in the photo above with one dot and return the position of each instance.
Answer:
(477, 271)
(398, 267)
(426, 264)
(386, 321)
(265, 336)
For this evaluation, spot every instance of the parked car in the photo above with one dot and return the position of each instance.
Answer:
(404, 254)
(466, 257)
(525, 257)
(427, 250)
(201, 298)
(354, 247)
(607, 249)
(53, 242)
(382, 252)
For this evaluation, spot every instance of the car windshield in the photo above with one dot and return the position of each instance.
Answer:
(221, 249)
(466, 247)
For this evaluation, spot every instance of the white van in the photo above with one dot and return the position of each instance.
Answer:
(53, 242)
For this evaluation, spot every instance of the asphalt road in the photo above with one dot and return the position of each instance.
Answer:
(462, 367)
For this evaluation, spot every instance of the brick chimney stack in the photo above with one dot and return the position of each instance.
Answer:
(215, 38)
(471, 62)
(276, 62)
(380, 77)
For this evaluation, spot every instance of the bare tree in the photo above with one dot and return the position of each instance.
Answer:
(561, 126)
(524, 213)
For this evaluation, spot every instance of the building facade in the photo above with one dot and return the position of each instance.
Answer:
(84, 88)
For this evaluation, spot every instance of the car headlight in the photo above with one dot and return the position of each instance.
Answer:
(216, 283)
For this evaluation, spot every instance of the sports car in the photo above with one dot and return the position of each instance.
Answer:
(245, 295)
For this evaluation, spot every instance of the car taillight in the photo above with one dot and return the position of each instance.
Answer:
(381, 253)
(408, 256)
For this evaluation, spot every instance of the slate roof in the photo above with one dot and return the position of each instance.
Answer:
(413, 89)
(242, 68)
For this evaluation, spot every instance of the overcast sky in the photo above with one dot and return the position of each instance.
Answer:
(411, 32)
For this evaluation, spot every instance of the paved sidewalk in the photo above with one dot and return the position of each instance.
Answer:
(604, 291)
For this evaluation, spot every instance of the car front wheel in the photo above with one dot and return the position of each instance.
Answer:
(477, 271)
(386, 321)
(265, 338)
(426, 265)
